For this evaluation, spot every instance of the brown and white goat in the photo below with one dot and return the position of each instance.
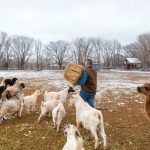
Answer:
(12, 91)
(10, 107)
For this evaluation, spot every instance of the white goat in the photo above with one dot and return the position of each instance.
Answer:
(30, 101)
(10, 107)
(74, 139)
(48, 106)
(90, 118)
(97, 99)
(63, 94)
(58, 113)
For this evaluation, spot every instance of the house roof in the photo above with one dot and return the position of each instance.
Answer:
(132, 61)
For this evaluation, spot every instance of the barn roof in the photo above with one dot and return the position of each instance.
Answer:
(132, 61)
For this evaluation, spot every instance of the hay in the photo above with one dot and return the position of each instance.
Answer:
(73, 73)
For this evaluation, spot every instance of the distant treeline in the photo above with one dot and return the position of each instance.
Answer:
(23, 52)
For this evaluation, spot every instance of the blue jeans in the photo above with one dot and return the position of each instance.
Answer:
(88, 97)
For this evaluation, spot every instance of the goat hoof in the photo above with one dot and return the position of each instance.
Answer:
(97, 148)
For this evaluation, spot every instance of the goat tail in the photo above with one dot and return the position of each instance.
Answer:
(56, 114)
(101, 122)
(102, 130)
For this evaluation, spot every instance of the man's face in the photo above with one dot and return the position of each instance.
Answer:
(86, 63)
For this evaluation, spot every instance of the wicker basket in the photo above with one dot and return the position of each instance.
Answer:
(73, 73)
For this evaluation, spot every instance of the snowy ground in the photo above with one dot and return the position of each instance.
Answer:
(116, 81)
(106, 79)
(125, 121)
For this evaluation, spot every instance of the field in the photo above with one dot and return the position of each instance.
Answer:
(126, 125)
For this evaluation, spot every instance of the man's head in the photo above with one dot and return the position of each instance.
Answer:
(88, 63)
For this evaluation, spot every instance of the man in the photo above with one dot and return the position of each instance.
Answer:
(88, 82)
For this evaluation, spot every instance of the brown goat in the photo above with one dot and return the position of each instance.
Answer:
(145, 89)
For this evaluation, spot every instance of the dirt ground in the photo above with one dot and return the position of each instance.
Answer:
(126, 125)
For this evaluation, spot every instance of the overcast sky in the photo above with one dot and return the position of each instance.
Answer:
(51, 20)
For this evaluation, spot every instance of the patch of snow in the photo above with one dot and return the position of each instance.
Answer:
(119, 104)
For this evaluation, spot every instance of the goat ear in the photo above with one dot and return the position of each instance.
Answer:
(66, 126)
(65, 132)
(78, 133)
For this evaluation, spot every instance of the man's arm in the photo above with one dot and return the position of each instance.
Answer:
(83, 78)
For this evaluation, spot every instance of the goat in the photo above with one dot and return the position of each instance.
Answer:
(48, 106)
(63, 94)
(12, 91)
(97, 99)
(2, 89)
(2, 86)
(30, 101)
(10, 107)
(145, 89)
(58, 113)
(10, 82)
(90, 118)
(74, 139)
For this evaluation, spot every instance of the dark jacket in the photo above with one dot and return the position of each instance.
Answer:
(91, 82)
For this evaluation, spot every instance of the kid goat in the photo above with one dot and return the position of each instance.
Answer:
(58, 113)
(74, 139)
(30, 101)
(48, 106)
(63, 94)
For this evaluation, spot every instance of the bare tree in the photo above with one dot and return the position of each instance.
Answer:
(144, 42)
(22, 49)
(57, 52)
(7, 53)
(3, 39)
(140, 49)
(82, 49)
(107, 52)
(98, 47)
(39, 57)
